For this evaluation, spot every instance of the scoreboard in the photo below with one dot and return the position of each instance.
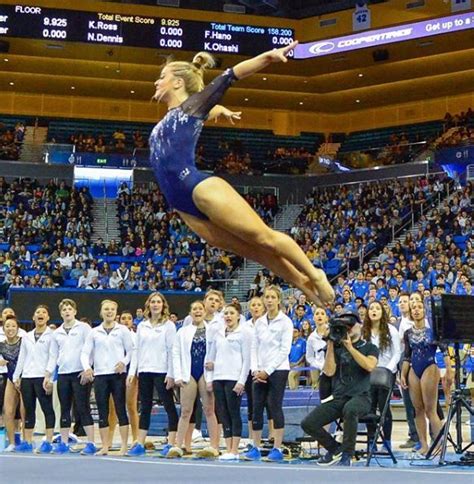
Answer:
(33, 22)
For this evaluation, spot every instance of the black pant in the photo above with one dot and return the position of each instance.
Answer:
(378, 397)
(249, 392)
(325, 386)
(146, 383)
(3, 387)
(115, 385)
(69, 388)
(228, 407)
(32, 389)
(270, 393)
(78, 428)
(350, 408)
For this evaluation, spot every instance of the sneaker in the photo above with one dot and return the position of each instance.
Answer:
(10, 448)
(252, 454)
(136, 450)
(17, 438)
(409, 444)
(44, 448)
(61, 448)
(275, 455)
(164, 451)
(24, 447)
(345, 460)
(208, 453)
(197, 436)
(329, 459)
(174, 453)
(229, 457)
(89, 449)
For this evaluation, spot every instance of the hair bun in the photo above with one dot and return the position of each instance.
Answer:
(204, 60)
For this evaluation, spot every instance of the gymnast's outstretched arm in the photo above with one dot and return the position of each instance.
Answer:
(250, 66)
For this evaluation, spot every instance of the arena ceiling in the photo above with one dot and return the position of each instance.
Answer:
(436, 67)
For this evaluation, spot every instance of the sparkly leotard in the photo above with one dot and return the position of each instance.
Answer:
(420, 349)
(10, 354)
(198, 353)
(173, 144)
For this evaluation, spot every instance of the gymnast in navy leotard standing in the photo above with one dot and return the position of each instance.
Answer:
(420, 373)
(208, 204)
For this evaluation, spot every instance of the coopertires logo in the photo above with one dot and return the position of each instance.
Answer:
(322, 48)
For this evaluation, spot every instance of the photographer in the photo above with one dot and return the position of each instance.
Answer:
(349, 360)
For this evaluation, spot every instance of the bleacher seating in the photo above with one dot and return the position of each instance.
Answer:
(379, 138)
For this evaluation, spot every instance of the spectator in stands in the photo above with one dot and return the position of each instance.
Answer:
(297, 358)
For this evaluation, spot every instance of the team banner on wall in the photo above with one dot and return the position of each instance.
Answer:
(389, 35)
(460, 5)
(361, 17)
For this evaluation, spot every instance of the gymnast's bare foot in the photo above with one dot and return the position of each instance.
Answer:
(103, 451)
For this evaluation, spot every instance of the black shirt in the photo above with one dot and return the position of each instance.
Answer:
(350, 378)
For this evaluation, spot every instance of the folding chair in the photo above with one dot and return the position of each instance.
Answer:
(380, 378)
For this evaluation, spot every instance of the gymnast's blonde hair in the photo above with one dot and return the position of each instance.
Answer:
(192, 73)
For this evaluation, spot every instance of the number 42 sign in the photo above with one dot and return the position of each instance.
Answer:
(361, 17)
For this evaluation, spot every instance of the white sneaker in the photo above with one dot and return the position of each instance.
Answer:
(197, 435)
(10, 448)
(228, 456)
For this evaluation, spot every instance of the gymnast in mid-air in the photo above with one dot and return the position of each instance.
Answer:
(208, 204)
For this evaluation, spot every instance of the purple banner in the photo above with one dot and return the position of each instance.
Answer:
(390, 35)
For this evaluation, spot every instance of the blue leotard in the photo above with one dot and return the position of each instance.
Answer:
(420, 349)
(198, 353)
(173, 144)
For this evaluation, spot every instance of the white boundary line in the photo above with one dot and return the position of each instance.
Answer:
(293, 467)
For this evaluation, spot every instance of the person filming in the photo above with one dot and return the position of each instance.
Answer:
(349, 361)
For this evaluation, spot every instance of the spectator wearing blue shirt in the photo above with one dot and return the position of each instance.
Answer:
(348, 302)
(402, 284)
(139, 317)
(299, 315)
(297, 359)
(360, 286)
(393, 301)
(433, 274)
(308, 310)
(339, 287)
(381, 289)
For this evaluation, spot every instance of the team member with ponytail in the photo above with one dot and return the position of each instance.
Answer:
(257, 310)
(65, 354)
(28, 378)
(9, 395)
(208, 204)
(381, 333)
(189, 356)
(109, 346)
(229, 365)
(270, 367)
(152, 360)
(126, 319)
(420, 373)
(316, 354)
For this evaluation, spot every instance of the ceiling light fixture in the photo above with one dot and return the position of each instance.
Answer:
(361, 75)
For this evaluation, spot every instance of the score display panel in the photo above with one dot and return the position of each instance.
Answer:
(33, 22)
